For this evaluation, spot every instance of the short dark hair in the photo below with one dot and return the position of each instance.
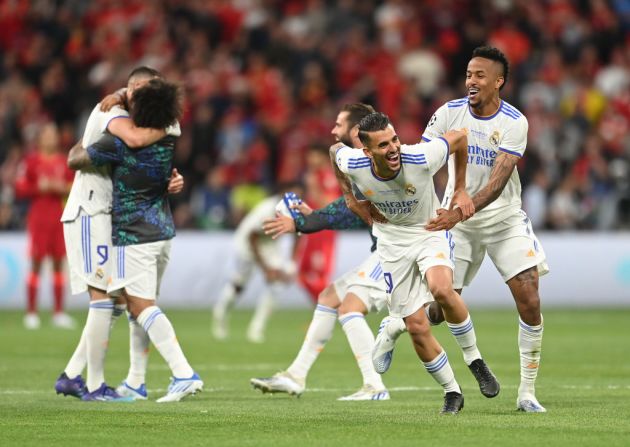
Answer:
(356, 112)
(494, 54)
(156, 104)
(144, 72)
(372, 123)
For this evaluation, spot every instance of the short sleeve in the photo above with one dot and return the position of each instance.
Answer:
(98, 121)
(106, 150)
(348, 159)
(437, 125)
(432, 154)
(514, 141)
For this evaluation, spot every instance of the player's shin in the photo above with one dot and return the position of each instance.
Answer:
(466, 338)
(139, 342)
(361, 342)
(529, 345)
(319, 332)
(162, 335)
(97, 329)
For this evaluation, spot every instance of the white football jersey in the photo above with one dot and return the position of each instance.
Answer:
(505, 131)
(252, 223)
(92, 187)
(408, 200)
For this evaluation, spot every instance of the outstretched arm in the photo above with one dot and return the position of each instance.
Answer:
(334, 216)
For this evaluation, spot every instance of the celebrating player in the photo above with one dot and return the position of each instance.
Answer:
(397, 182)
(87, 231)
(348, 299)
(497, 141)
(142, 223)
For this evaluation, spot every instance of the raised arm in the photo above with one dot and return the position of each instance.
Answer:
(134, 136)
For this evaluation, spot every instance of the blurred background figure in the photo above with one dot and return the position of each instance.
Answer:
(315, 252)
(255, 251)
(45, 180)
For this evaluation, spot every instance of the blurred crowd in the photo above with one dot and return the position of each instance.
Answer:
(264, 80)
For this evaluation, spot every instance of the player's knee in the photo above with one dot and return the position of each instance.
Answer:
(328, 297)
(441, 291)
(352, 304)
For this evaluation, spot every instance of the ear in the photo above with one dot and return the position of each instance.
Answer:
(354, 132)
(499, 82)
(367, 153)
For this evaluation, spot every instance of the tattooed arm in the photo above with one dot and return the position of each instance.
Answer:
(503, 166)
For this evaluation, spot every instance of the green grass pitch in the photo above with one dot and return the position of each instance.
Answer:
(584, 382)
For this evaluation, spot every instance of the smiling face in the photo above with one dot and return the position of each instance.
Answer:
(484, 77)
(383, 149)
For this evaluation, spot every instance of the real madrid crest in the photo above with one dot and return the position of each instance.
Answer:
(410, 190)
(494, 139)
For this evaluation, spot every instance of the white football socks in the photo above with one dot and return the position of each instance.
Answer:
(139, 342)
(464, 333)
(361, 340)
(441, 371)
(162, 335)
(96, 332)
(529, 345)
(319, 332)
(78, 361)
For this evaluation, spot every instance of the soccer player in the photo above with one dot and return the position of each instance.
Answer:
(142, 224)
(397, 182)
(255, 250)
(87, 230)
(45, 180)
(497, 141)
(348, 299)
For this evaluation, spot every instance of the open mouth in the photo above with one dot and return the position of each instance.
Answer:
(472, 93)
(393, 159)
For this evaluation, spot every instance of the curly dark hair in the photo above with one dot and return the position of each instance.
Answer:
(156, 104)
(372, 123)
(494, 54)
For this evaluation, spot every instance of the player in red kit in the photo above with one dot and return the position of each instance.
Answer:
(316, 251)
(45, 180)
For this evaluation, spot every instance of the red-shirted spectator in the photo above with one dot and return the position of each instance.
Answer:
(45, 180)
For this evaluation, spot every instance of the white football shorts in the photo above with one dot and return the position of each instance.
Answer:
(404, 268)
(139, 269)
(510, 243)
(366, 282)
(89, 249)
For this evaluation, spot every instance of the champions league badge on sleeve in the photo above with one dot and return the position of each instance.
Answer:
(284, 206)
